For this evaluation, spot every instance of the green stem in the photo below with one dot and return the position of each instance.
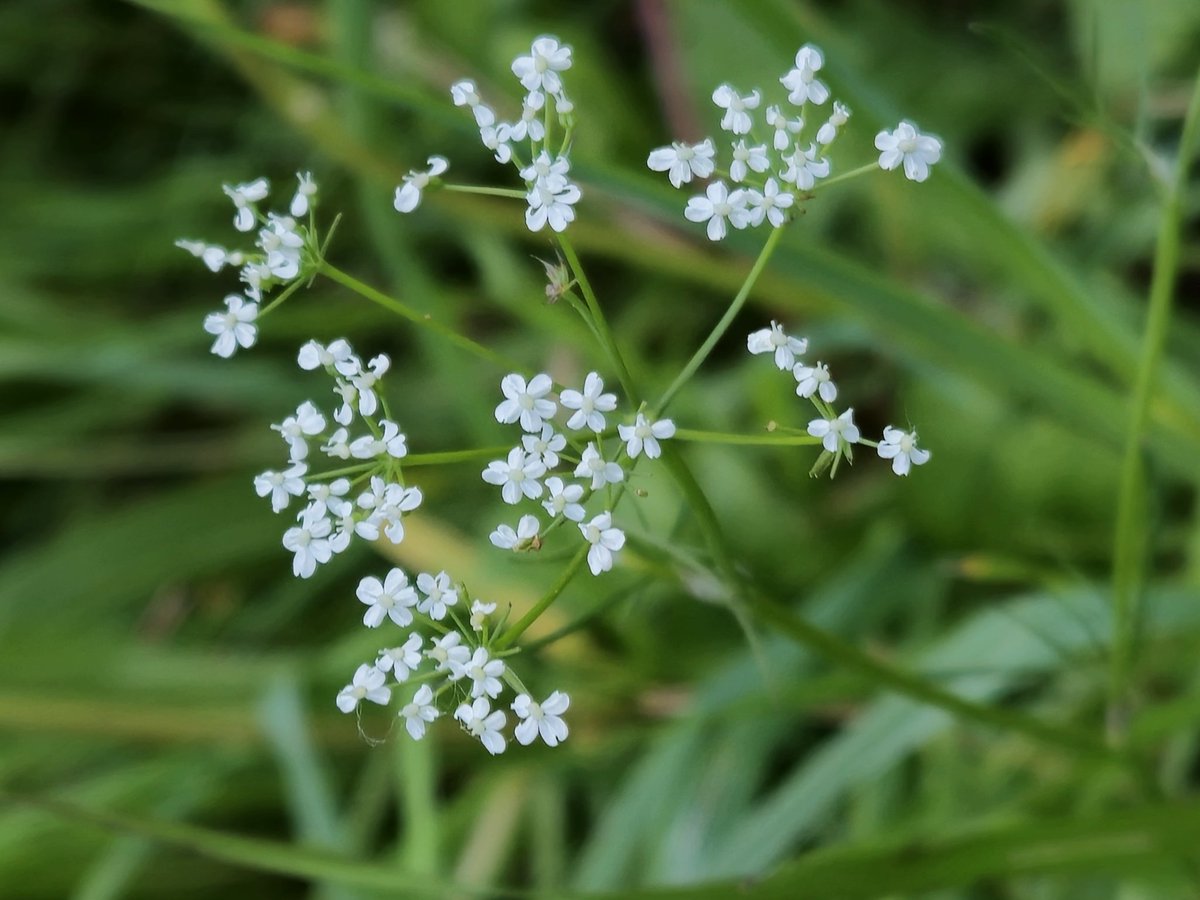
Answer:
(518, 628)
(719, 437)
(486, 191)
(444, 457)
(722, 326)
(423, 319)
(1131, 538)
(846, 176)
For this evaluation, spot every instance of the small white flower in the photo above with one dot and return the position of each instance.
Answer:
(784, 127)
(516, 476)
(908, 146)
(545, 446)
(366, 380)
(408, 195)
(418, 713)
(368, 684)
(682, 161)
(805, 167)
(645, 435)
(539, 71)
(592, 465)
(309, 542)
(391, 443)
(401, 661)
(449, 653)
(464, 93)
(834, 431)
(307, 422)
(564, 499)
(901, 448)
(543, 718)
(338, 355)
(481, 722)
(814, 380)
(717, 207)
(551, 172)
(496, 138)
(244, 196)
(605, 541)
(233, 328)
(338, 445)
(305, 192)
(440, 593)
(548, 206)
(802, 81)
(397, 501)
(392, 598)
(829, 131)
(523, 538)
(479, 613)
(282, 242)
(329, 496)
(590, 405)
(281, 486)
(747, 160)
(526, 403)
(773, 340)
(484, 673)
(736, 118)
(214, 257)
(771, 203)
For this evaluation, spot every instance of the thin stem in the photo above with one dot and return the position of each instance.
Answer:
(722, 326)
(445, 457)
(1131, 532)
(846, 176)
(486, 191)
(287, 292)
(419, 318)
(564, 579)
(718, 437)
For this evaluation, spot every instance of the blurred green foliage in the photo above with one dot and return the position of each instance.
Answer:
(163, 677)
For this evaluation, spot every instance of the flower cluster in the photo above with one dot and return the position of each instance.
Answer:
(774, 163)
(837, 433)
(460, 667)
(366, 498)
(526, 473)
(285, 252)
(550, 194)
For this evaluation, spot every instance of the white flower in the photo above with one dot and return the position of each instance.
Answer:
(526, 403)
(784, 127)
(908, 146)
(545, 446)
(771, 203)
(397, 501)
(282, 242)
(550, 206)
(829, 131)
(748, 159)
(329, 496)
(281, 486)
(773, 340)
(364, 383)
(233, 328)
(449, 653)
(522, 539)
(736, 118)
(805, 167)
(539, 71)
(484, 673)
(305, 192)
(244, 196)
(307, 422)
(338, 355)
(391, 443)
(479, 613)
(439, 593)
(814, 380)
(833, 431)
(592, 465)
(419, 712)
(517, 476)
(309, 542)
(590, 405)
(337, 446)
(496, 138)
(213, 256)
(605, 541)
(408, 195)
(547, 171)
(401, 661)
(802, 81)
(564, 499)
(645, 435)
(367, 685)
(392, 598)
(901, 448)
(543, 718)
(348, 393)
(464, 93)
(716, 207)
(479, 721)
(682, 161)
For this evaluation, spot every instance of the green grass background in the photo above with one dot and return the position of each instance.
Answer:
(167, 725)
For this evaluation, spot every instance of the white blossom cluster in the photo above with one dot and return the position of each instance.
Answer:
(530, 142)
(364, 494)
(459, 668)
(285, 251)
(773, 162)
(542, 465)
(837, 432)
